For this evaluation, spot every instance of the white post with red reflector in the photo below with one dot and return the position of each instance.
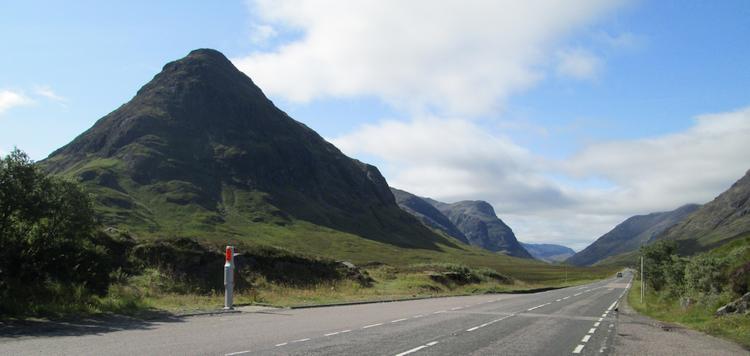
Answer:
(229, 278)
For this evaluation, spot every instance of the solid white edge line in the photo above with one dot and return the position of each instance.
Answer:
(578, 349)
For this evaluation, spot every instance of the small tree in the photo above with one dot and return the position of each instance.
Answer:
(658, 258)
(47, 234)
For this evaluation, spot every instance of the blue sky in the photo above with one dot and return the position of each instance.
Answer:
(550, 107)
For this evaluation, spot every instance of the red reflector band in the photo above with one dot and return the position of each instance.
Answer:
(229, 254)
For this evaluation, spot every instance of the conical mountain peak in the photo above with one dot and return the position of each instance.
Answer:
(201, 146)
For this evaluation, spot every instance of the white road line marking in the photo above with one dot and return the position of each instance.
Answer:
(474, 328)
(538, 306)
(338, 332)
(586, 338)
(397, 320)
(281, 344)
(439, 311)
(301, 340)
(456, 308)
(371, 325)
(577, 294)
(612, 306)
(592, 330)
(600, 319)
(566, 297)
(237, 353)
(418, 348)
(596, 324)
(578, 349)
(418, 316)
(558, 300)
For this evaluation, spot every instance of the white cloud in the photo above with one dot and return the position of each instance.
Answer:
(578, 64)
(662, 172)
(452, 159)
(262, 33)
(10, 99)
(459, 57)
(47, 92)
(623, 40)
(455, 159)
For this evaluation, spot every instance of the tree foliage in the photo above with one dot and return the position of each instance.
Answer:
(48, 235)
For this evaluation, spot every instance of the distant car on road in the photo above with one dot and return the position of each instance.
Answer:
(619, 274)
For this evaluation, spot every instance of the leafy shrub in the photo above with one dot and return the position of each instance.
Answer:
(48, 238)
(657, 259)
(704, 275)
(740, 279)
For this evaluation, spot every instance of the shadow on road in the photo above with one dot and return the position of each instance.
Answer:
(84, 326)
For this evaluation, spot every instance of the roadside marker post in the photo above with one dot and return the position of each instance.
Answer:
(229, 278)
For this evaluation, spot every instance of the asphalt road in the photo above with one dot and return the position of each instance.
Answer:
(576, 320)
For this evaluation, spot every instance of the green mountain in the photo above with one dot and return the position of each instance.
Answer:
(477, 220)
(549, 252)
(427, 214)
(629, 235)
(724, 219)
(201, 152)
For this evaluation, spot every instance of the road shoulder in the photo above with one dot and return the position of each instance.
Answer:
(640, 335)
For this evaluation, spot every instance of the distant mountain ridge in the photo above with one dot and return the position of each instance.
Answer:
(471, 221)
(630, 235)
(719, 221)
(549, 252)
(201, 151)
(427, 213)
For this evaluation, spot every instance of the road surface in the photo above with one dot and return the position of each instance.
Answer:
(576, 320)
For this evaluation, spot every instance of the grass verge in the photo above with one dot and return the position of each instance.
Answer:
(698, 316)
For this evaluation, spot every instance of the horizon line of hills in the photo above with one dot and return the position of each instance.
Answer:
(200, 151)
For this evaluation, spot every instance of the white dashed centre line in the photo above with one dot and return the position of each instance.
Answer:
(586, 338)
(596, 324)
(237, 353)
(371, 325)
(578, 349)
(418, 348)
(397, 320)
(592, 330)
(281, 344)
(566, 297)
(301, 340)
(456, 308)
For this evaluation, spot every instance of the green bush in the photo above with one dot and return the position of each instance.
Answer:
(657, 261)
(49, 244)
(704, 275)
